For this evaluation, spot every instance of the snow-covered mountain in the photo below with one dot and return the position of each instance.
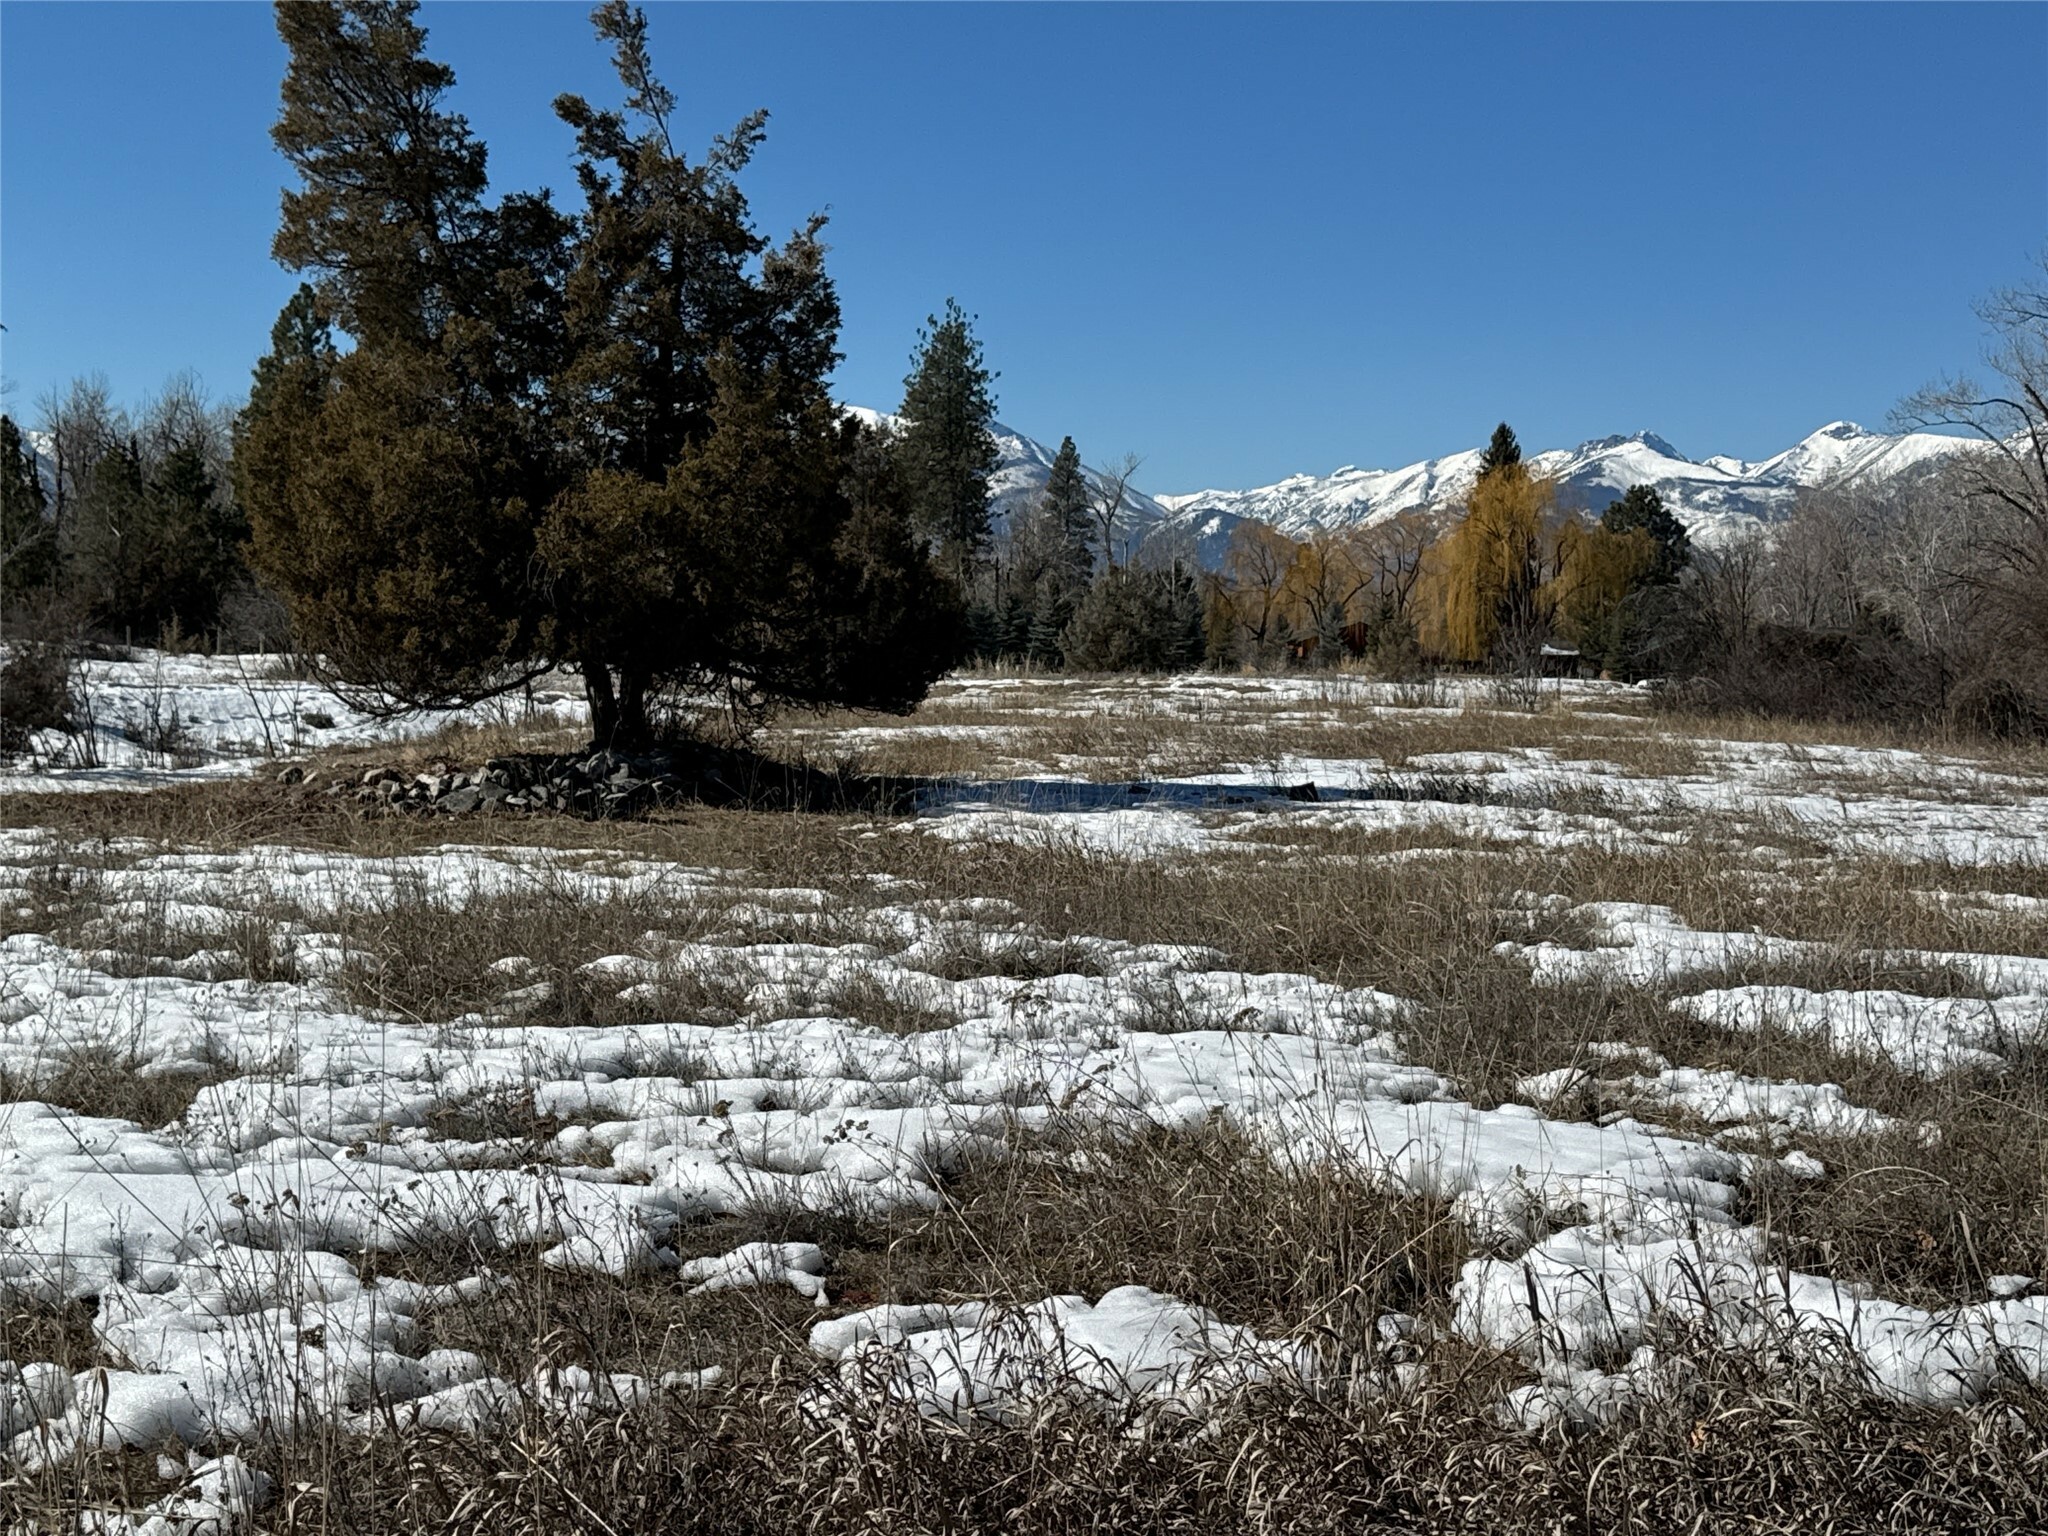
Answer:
(1021, 476)
(1717, 498)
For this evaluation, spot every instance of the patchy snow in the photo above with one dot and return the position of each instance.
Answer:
(226, 1251)
(161, 718)
(1134, 1348)
(1774, 1108)
(1583, 1296)
(222, 1249)
(1926, 1035)
(1646, 945)
(800, 1266)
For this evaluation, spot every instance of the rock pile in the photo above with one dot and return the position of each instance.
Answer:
(603, 785)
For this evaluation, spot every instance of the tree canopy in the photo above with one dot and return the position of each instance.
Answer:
(600, 439)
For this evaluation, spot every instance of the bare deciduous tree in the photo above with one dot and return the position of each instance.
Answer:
(2009, 479)
(1111, 489)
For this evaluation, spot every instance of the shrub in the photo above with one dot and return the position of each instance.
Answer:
(35, 692)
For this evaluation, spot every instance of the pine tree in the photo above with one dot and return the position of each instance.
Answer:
(28, 539)
(108, 541)
(1052, 610)
(1641, 507)
(300, 334)
(1067, 509)
(1503, 452)
(196, 534)
(948, 444)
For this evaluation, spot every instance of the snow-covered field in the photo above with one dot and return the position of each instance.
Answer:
(157, 718)
(1687, 991)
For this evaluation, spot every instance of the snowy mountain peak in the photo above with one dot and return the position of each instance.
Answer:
(1646, 439)
(1718, 498)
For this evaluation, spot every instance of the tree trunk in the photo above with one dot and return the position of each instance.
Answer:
(603, 702)
(634, 731)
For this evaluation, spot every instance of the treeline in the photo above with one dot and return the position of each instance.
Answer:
(1500, 584)
(1919, 601)
(1493, 587)
(119, 524)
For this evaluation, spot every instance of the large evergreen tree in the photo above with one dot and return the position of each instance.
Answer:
(602, 441)
(948, 443)
(1050, 562)
(1642, 508)
(392, 486)
(1068, 515)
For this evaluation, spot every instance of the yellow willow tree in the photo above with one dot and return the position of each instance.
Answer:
(1495, 568)
(1598, 570)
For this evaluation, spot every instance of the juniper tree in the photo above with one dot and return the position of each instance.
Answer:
(392, 486)
(602, 442)
(948, 445)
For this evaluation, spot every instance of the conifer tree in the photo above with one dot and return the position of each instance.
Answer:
(948, 443)
(107, 551)
(391, 487)
(1502, 452)
(1052, 610)
(602, 442)
(1642, 508)
(300, 334)
(152, 548)
(1137, 620)
(28, 539)
(1067, 509)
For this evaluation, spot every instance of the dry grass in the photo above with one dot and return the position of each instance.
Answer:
(1300, 1252)
(1733, 1450)
(101, 1081)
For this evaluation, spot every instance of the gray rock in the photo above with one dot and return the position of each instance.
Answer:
(458, 802)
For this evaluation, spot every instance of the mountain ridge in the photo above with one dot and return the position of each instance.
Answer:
(1718, 498)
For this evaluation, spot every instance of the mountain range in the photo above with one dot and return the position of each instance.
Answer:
(1717, 498)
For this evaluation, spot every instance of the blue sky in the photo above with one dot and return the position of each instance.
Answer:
(1241, 241)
